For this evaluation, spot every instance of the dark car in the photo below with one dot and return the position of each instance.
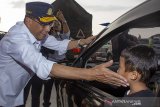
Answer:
(2, 33)
(141, 25)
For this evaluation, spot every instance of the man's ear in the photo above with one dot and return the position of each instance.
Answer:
(28, 21)
(134, 75)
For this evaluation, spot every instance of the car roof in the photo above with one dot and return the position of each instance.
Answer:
(129, 19)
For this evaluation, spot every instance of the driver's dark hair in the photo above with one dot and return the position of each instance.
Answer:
(141, 58)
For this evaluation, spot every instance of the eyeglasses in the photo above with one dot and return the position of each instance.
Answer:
(50, 25)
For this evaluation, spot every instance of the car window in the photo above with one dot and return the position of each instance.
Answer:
(103, 54)
(148, 36)
(113, 48)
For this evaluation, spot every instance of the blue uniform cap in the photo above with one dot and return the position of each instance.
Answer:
(41, 11)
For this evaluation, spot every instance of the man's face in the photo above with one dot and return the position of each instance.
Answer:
(38, 30)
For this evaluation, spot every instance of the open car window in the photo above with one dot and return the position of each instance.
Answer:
(148, 36)
(112, 49)
(102, 55)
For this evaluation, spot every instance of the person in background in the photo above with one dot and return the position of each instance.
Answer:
(138, 64)
(21, 59)
(60, 31)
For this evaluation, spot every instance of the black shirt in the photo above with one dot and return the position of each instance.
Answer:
(144, 98)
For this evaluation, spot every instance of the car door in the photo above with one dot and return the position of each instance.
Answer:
(96, 94)
(141, 25)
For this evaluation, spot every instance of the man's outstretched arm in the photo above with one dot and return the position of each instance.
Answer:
(99, 73)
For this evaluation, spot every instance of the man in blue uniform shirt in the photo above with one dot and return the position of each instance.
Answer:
(20, 56)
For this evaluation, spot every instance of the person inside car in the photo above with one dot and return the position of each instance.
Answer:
(20, 56)
(138, 64)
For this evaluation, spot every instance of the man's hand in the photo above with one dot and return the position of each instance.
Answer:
(99, 73)
(105, 75)
(75, 43)
(87, 40)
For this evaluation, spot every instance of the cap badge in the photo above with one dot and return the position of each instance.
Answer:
(49, 11)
